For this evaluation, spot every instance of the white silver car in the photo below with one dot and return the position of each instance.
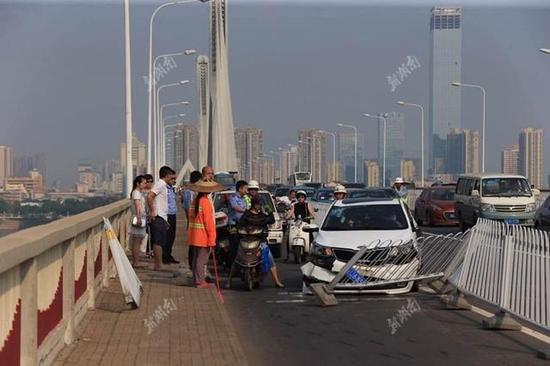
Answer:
(385, 226)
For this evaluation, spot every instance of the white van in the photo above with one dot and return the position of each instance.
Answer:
(494, 196)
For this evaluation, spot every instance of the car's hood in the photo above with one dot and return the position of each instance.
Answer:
(354, 239)
(445, 205)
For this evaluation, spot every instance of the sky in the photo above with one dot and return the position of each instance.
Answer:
(300, 64)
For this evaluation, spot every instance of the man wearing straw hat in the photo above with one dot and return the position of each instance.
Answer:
(201, 233)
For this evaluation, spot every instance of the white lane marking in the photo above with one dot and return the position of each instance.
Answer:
(284, 301)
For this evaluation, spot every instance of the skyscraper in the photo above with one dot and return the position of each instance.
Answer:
(530, 155)
(445, 68)
(335, 171)
(395, 142)
(289, 163)
(345, 148)
(186, 146)
(250, 145)
(510, 160)
(462, 151)
(6, 163)
(408, 170)
(312, 154)
(139, 156)
(372, 173)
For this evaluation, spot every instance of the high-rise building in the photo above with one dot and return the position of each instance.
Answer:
(32, 181)
(372, 173)
(139, 156)
(510, 160)
(395, 143)
(23, 164)
(185, 146)
(250, 144)
(110, 167)
(117, 182)
(267, 171)
(289, 163)
(87, 176)
(445, 68)
(345, 148)
(531, 154)
(6, 163)
(462, 151)
(313, 154)
(334, 171)
(408, 170)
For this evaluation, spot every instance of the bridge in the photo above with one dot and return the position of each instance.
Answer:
(61, 303)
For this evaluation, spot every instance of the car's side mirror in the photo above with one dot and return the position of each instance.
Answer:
(536, 192)
(310, 228)
(475, 193)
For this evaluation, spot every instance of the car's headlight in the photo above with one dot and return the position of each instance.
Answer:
(530, 207)
(317, 249)
(486, 207)
(402, 250)
(437, 208)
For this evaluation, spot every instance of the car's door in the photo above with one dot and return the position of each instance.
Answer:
(545, 214)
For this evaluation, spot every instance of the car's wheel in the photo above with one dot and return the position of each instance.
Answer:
(297, 250)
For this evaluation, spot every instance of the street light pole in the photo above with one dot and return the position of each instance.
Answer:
(458, 84)
(422, 133)
(159, 139)
(355, 130)
(151, 81)
(384, 147)
(128, 76)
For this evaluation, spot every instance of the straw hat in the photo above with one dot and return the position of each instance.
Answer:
(203, 186)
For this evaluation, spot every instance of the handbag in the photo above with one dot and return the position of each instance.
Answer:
(135, 222)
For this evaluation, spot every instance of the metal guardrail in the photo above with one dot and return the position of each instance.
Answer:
(509, 266)
(385, 263)
(50, 276)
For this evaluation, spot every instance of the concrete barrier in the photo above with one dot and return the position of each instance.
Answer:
(50, 275)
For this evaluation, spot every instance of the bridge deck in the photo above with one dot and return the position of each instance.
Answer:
(192, 327)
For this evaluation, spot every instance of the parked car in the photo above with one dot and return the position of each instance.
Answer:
(385, 225)
(324, 195)
(281, 191)
(275, 235)
(436, 206)
(542, 216)
(508, 198)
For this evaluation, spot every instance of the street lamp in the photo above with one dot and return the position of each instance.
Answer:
(157, 122)
(422, 133)
(161, 149)
(150, 76)
(355, 130)
(384, 147)
(545, 50)
(128, 97)
(333, 151)
(458, 84)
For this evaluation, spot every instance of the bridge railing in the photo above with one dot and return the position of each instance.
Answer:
(50, 275)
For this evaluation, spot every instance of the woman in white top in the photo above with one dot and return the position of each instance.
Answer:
(137, 226)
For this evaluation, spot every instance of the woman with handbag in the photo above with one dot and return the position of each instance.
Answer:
(137, 229)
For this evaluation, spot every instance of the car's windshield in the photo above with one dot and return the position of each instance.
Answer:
(225, 180)
(280, 192)
(365, 217)
(443, 195)
(325, 195)
(505, 187)
(221, 201)
(372, 193)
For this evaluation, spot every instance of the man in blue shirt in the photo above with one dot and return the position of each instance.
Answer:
(167, 257)
(237, 207)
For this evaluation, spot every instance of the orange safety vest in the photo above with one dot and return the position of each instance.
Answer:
(202, 226)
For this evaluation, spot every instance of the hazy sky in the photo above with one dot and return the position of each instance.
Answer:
(292, 66)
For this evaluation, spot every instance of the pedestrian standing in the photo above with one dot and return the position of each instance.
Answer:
(201, 233)
(208, 173)
(137, 228)
(188, 198)
(157, 201)
(149, 182)
(172, 211)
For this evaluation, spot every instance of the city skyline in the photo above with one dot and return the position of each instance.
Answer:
(485, 48)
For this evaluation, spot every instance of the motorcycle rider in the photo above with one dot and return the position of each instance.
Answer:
(257, 217)
(340, 192)
(302, 208)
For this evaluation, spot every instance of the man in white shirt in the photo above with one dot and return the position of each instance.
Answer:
(157, 201)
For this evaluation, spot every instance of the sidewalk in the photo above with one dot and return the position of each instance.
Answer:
(175, 325)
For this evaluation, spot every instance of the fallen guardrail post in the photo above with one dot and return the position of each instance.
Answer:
(456, 301)
(501, 321)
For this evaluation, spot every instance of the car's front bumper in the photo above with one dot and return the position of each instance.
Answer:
(382, 279)
(525, 218)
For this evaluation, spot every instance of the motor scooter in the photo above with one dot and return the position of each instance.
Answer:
(298, 240)
(248, 263)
